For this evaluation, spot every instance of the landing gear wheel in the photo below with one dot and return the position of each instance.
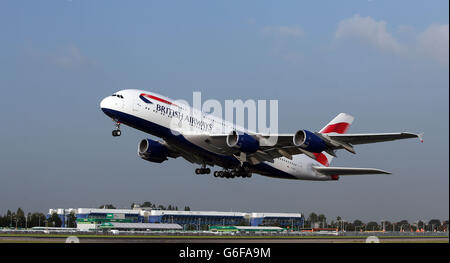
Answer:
(202, 171)
(116, 133)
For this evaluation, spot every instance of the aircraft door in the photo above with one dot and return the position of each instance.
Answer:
(137, 104)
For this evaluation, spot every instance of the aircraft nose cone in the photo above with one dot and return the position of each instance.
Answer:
(104, 103)
(107, 105)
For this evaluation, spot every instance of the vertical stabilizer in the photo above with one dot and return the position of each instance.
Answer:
(339, 124)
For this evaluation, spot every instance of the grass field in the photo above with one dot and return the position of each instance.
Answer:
(201, 236)
(58, 238)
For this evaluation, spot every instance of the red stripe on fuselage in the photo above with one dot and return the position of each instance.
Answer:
(340, 127)
(321, 158)
(156, 98)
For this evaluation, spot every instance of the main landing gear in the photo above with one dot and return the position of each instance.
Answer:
(237, 172)
(203, 170)
(242, 171)
(117, 131)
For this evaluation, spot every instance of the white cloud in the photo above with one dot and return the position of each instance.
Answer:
(70, 56)
(368, 30)
(434, 43)
(406, 29)
(287, 31)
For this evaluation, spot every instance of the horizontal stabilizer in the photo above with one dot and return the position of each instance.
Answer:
(348, 171)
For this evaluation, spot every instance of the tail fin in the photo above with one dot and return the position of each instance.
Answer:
(339, 124)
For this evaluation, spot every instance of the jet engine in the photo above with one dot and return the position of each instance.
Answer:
(242, 142)
(152, 151)
(309, 141)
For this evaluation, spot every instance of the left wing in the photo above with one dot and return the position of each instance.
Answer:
(347, 171)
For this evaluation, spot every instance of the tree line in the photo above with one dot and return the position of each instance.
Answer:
(320, 221)
(147, 204)
(19, 219)
(151, 205)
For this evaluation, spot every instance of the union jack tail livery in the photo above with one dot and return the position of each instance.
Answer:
(339, 124)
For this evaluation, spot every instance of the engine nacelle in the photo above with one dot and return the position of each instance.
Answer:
(152, 151)
(309, 141)
(243, 142)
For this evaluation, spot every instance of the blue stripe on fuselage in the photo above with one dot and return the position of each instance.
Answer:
(145, 99)
(167, 134)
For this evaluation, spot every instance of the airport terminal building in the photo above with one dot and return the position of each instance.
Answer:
(96, 218)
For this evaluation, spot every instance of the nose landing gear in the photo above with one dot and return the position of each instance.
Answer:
(117, 131)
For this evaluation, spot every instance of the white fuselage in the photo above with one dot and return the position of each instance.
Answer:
(163, 116)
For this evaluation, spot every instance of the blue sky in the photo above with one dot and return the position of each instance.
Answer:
(385, 62)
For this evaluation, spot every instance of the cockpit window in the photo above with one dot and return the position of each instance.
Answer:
(117, 95)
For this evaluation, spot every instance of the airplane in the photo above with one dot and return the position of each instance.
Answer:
(207, 140)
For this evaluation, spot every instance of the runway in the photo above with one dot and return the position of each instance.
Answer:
(40, 239)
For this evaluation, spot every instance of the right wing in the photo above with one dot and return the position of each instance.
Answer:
(373, 137)
(334, 141)
(283, 146)
(271, 146)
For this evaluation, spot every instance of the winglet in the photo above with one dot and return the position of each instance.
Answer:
(420, 136)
